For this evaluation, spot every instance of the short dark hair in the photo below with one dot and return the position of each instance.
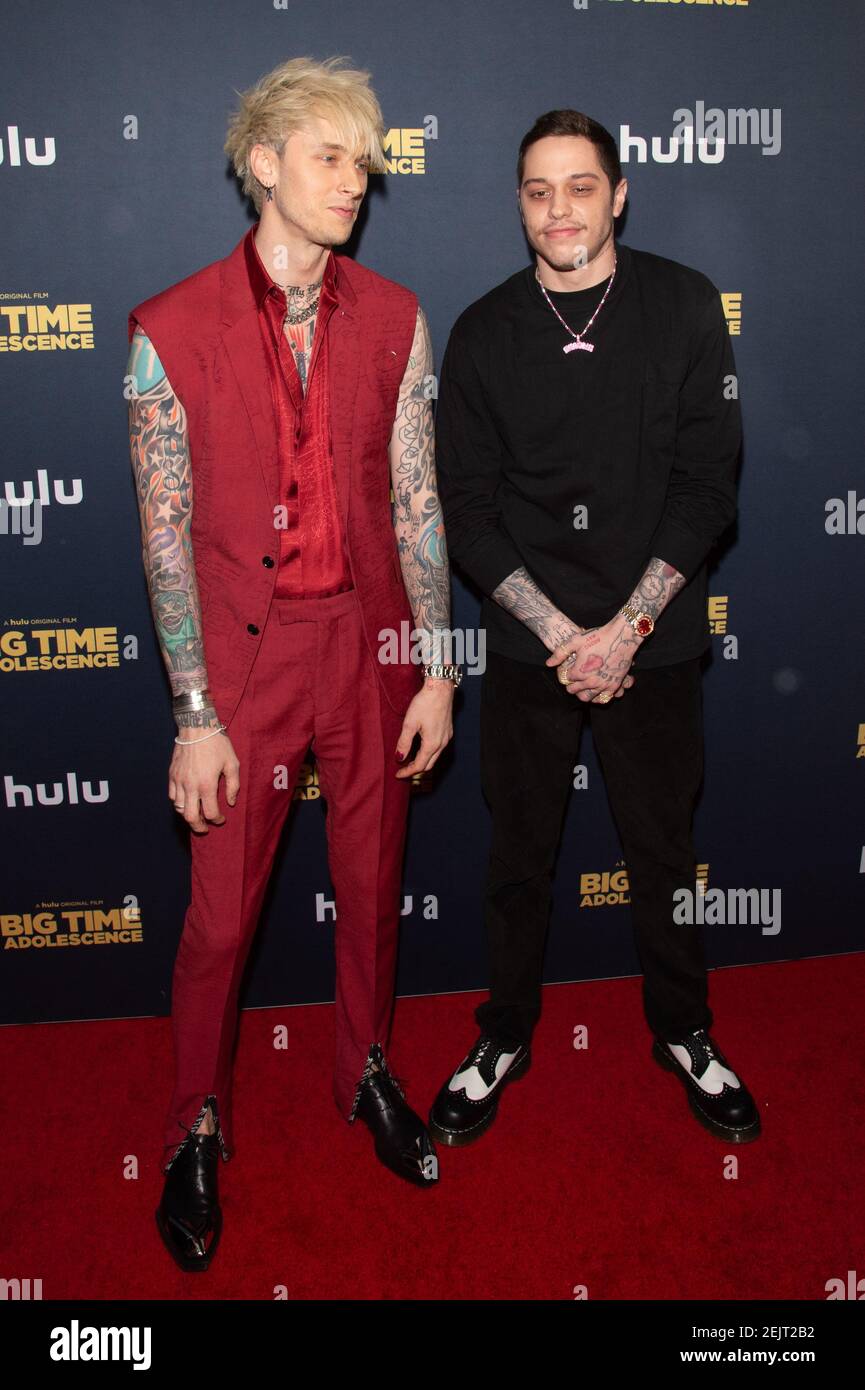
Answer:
(567, 122)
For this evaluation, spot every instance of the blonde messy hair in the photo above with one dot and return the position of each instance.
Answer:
(282, 102)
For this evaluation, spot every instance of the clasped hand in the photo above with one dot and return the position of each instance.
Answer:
(597, 661)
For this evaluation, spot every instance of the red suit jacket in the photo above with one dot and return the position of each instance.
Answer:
(206, 333)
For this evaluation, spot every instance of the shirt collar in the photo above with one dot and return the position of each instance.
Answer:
(261, 283)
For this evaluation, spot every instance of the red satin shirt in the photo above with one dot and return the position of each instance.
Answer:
(313, 558)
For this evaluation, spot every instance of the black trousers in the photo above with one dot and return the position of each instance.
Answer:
(650, 747)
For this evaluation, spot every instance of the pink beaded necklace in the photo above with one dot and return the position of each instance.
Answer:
(577, 337)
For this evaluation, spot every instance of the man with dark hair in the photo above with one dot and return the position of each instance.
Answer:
(588, 435)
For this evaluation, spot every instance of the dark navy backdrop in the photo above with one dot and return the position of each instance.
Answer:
(132, 102)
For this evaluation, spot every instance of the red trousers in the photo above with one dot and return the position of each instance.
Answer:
(313, 681)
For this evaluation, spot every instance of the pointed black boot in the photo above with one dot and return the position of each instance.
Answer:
(402, 1141)
(189, 1212)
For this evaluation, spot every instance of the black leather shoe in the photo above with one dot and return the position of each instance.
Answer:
(402, 1142)
(466, 1105)
(716, 1095)
(189, 1211)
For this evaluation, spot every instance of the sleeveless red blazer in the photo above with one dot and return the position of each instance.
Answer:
(206, 332)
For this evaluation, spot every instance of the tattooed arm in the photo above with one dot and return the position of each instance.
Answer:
(418, 522)
(660, 583)
(420, 536)
(520, 595)
(163, 479)
(600, 658)
(159, 449)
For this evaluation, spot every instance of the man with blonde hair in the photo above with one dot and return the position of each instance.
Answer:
(279, 395)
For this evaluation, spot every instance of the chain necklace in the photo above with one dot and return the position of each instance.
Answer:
(577, 337)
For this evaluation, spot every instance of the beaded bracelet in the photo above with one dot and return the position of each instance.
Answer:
(218, 730)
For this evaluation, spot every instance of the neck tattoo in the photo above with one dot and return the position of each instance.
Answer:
(301, 301)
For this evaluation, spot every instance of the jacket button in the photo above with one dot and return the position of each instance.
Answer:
(267, 561)
(250, 627)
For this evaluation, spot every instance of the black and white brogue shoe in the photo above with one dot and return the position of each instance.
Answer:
(466, 1104)
(717, 1096)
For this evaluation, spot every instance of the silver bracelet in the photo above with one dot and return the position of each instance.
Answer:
(216, 731)
(439, 671)
(191, 699)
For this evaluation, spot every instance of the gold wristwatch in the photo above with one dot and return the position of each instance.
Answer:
(642, 623)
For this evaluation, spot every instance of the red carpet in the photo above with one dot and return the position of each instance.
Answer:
(594, 1173)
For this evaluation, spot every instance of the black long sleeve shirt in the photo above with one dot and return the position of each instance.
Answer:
(644, 433)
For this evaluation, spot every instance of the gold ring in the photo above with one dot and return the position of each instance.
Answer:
(605, 698)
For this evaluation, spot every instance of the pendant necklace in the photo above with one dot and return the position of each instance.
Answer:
(577, 337)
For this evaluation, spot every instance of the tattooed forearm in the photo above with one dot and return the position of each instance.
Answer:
(658, 585)
(520, 595)
(603, 658)
(418, 520)
(159, 450)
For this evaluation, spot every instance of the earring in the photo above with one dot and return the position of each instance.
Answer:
(269, 194)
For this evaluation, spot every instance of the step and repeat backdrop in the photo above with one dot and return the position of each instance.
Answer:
(737, 122)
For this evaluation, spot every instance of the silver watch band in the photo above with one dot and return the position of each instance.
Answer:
(441, 672)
